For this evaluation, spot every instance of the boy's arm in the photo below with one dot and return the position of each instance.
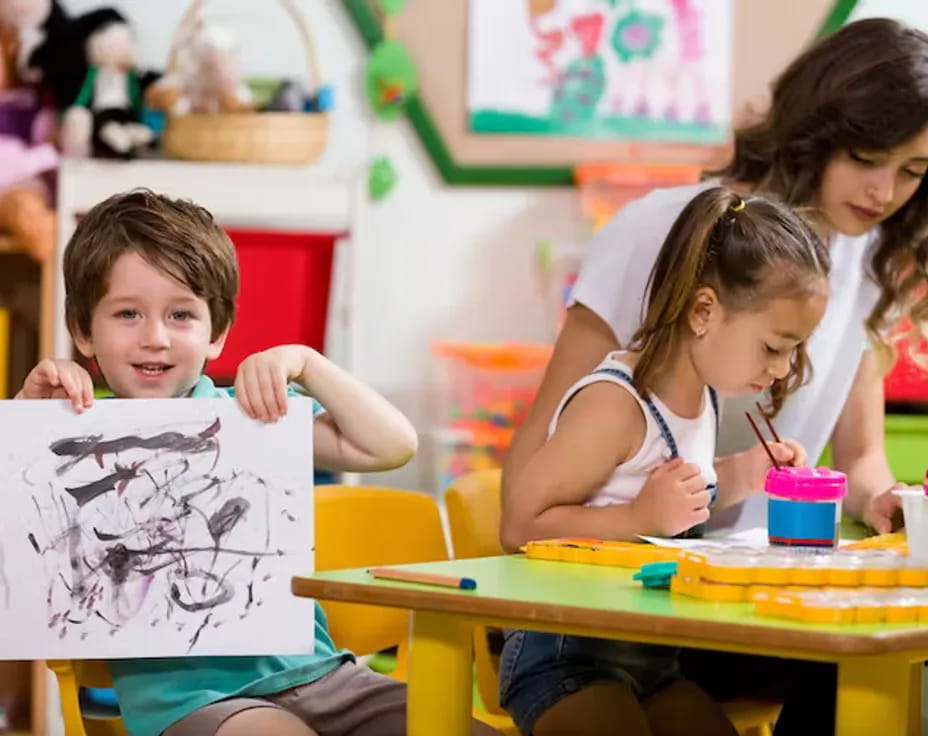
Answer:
(360, 431)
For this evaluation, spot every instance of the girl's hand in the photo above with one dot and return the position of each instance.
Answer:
(59, 379)
(756, 463)
(673, 499)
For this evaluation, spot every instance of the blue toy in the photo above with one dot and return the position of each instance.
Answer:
(656, 574)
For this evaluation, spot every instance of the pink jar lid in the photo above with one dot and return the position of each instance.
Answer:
(806, 484)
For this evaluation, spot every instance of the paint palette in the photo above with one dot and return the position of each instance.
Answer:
(598, 552)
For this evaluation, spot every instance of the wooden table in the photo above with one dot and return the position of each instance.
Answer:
(874, 673)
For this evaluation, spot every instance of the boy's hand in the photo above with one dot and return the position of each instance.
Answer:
(262, 378)
(59, 379)
(673, 499)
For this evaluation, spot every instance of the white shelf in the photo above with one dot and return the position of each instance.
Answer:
(304, 196)
(318, 198)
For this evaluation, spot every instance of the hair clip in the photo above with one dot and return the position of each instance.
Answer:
(738, 207)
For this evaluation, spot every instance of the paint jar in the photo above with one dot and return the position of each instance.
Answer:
(804, 506)
(915, 516)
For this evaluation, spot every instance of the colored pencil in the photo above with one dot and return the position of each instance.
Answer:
(427, 578)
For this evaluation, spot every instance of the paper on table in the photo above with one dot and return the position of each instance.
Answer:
(753, 537)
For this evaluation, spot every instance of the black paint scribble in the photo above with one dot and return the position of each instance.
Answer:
(219, 592)
(113, 482)
(95, 446)
(149, 529)
(224, 520)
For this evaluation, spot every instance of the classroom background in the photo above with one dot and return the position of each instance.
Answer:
(385, 209)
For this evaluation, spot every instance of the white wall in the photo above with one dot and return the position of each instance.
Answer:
(434, 262)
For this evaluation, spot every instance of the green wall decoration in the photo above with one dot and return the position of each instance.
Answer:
(365, 19)
(390, 79)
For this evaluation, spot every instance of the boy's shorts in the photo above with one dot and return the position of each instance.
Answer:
(349, 699)
(538, 669)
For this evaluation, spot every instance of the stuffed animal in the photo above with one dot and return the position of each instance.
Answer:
(107, 113)
(205, 77)
(9, 49)
(52, 45)
(25, 211)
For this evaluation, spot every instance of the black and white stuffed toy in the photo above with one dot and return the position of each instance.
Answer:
(52, 45)
(87, 63)
(109, 103)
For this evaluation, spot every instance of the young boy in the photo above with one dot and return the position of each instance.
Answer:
(150, 288)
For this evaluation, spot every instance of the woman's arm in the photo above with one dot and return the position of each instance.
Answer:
(584, 341)
(858, 450)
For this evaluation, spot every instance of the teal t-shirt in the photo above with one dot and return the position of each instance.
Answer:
(154, 693)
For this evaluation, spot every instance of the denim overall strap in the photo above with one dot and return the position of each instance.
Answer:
(695, 532)
(714, 398)
(655, 412)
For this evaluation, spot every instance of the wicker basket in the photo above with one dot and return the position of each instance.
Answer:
(248, 137)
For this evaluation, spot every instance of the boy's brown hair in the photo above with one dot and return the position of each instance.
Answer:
(176, 236)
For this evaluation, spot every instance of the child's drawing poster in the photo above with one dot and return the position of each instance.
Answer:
(153, 528)
(636, 70)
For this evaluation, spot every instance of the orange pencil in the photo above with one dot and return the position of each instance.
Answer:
(428, 578)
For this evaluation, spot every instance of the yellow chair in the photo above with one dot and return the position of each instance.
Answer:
(5, 390)
(357, 526)
(473, 504)
(72, 675)
(474, 509)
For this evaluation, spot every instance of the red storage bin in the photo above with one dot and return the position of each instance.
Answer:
(907, 382)
(284, 293)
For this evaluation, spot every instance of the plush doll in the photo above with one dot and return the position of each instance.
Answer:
(207, 77)
(52, 45)
(108, 110)
(25, 212)
(9, 47)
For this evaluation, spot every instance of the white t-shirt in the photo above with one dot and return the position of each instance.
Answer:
(694, 438)
(612, 284)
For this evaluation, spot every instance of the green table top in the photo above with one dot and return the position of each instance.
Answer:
(513, 590)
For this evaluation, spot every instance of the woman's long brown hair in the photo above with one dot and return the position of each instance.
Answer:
(863, 88)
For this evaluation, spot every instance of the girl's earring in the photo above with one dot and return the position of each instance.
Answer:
(700, 333)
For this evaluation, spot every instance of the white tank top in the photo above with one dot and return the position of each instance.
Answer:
(694, 440)
(612, 284)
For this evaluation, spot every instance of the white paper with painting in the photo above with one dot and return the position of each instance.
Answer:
(648, 70)
(152, 528)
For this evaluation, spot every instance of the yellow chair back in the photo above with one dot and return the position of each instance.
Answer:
(357, 526)
(473, 503)
(72, 674)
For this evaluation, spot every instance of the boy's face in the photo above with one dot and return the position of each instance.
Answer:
(149, 334)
